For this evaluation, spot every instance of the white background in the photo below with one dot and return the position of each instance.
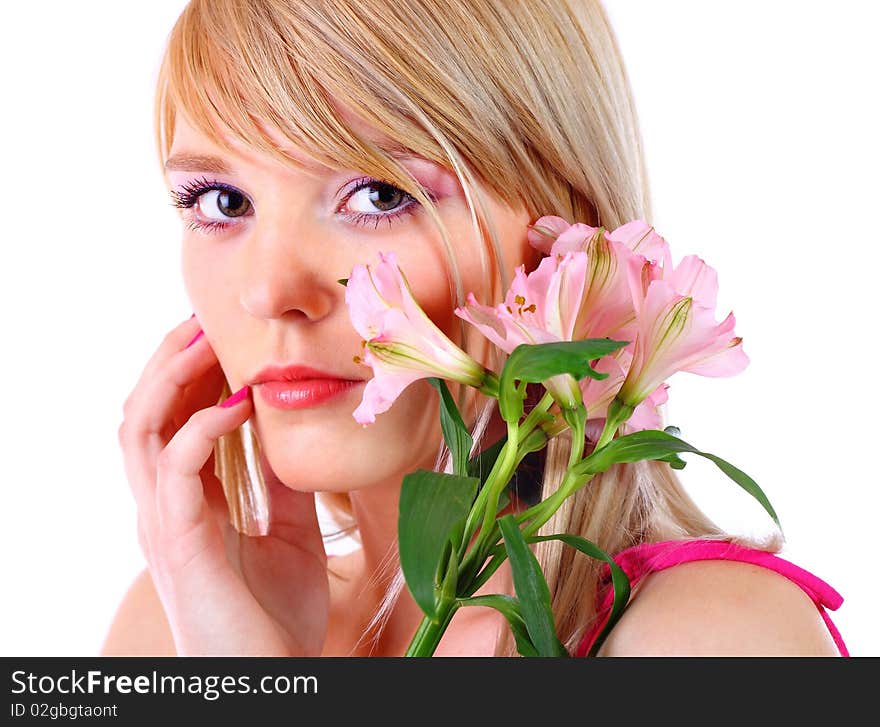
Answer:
(760, 122)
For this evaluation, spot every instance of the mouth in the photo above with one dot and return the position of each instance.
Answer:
(304, 393)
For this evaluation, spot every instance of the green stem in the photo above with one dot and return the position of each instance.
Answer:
(543, 511)
(536, 415)
(419, 637)
(430, 632)
(569, 485)
(500, 471)
(494, 487)
(489, 387)
(577, 420)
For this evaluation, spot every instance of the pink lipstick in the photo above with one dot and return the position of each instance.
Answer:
(300, 387)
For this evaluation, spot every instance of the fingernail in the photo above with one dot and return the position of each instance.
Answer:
(195, 338)
(236, 397)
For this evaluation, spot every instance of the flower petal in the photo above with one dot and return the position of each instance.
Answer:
(676, 333)
(693, 277)
(402, 343)
(381, 392)
(486, 319)
(641, 238)
(646, 414)
(543, 233)
(365, 306)
(575, 239)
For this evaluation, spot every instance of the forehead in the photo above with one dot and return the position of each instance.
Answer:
(191, 145)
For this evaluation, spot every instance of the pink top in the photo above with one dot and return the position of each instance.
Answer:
(645, 558)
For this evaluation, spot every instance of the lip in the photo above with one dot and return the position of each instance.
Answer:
(300, 387)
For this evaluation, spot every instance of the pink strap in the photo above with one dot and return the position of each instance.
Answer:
(645, 558)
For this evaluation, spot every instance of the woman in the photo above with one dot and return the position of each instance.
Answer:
(299, 140)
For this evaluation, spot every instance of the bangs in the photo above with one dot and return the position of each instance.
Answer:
(232, 73)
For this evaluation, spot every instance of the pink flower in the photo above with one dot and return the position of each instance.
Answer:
(553, 235)
(646, 415)
(599, 393)
(401, 344)
(548, 228)
(581, 290)
(677, 330)
(670, 314)
(540, 307)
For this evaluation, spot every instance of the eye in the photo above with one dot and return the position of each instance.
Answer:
(228, 204)
(369, 194)
(211, 203)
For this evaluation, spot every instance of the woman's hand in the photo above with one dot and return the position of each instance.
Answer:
(223, 593)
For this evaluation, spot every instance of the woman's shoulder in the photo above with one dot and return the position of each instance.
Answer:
(140, 627)
(717, 598)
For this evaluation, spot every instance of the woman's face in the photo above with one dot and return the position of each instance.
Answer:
(262, 253)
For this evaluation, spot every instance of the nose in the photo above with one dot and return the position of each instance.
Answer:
(285, 272)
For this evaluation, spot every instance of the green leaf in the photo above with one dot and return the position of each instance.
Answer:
(619, 580)
(538, 362)
(432, 507)
(654, 444)
(457, 437)
(531, 590)
(509, 608)
(676, 462)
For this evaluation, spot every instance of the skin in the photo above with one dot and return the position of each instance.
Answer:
(265, 290)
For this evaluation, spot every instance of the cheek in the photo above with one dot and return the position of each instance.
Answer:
(198, 272)
(210, 282)
(430, 274)
(212, 293)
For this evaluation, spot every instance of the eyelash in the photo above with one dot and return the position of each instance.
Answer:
(189, 193)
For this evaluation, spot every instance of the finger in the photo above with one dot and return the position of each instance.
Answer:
(185, 388)
(153, 405)
(139, 460)
(200, 394)
(143, 537)
(141, 448)
(181, 506)
(175, 340)
(214, 492)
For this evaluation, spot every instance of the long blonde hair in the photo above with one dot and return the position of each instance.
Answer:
(527, 99)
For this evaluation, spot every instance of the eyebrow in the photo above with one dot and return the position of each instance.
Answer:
(196, 163)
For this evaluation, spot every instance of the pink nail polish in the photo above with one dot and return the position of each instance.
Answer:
(236, 397)
(196, 338)
(192, 316)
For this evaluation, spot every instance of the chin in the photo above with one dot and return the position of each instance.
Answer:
(327, 463)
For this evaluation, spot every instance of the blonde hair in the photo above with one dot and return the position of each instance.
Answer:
(526, 99)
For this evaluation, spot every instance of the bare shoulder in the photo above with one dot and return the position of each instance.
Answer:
(139, 627)
(719, 608)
